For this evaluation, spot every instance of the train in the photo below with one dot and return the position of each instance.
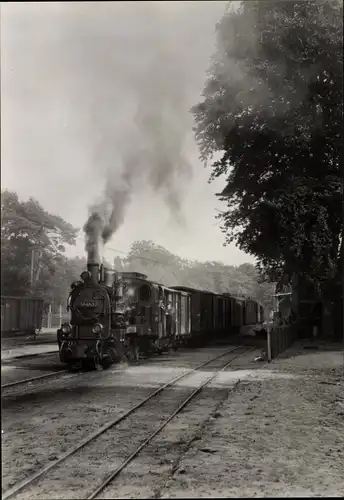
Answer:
(124, 315)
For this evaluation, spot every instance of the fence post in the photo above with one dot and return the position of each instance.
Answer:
(269, 341)
(60, 314)
(49, 316)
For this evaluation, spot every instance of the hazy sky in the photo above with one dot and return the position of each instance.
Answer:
(71, 76)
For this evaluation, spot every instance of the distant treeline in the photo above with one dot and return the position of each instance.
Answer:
(34, 261)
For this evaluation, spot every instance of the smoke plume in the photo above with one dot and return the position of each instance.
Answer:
(139, 86)
(94, 228)
(156, 156)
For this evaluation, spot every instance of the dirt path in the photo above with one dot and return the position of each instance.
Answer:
(41, 422)
(279, 434)
(257, 430)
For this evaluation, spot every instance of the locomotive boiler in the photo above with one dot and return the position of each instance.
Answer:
(95, 334)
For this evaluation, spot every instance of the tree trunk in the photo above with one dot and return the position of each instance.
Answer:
(39, 267)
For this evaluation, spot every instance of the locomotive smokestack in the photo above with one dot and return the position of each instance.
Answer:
(93, 231)
(93, 269)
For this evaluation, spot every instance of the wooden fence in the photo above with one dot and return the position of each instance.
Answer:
(54, 318)
(281, 337)
(20, 314)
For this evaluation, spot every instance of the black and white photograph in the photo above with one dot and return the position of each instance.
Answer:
(172, 218)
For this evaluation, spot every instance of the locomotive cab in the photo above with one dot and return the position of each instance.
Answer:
(137, 301)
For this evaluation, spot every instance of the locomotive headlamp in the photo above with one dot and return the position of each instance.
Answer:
(131, 292)
(75, 284)
(66, 328)
(97, 328)
(85, 275)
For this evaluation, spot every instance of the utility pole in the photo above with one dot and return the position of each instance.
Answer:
(32, 269)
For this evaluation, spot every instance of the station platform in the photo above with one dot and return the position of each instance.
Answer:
(28, 350)
(44, 338)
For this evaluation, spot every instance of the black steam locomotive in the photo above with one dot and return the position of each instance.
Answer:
(117, 315)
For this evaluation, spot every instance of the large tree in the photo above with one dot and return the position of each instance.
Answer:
(272, 114)
(157, 262)
(32, 247)
(57, 284)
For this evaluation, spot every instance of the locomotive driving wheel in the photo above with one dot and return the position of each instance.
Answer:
(105, 362)
(108, 359)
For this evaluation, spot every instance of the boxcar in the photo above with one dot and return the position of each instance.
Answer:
(200, 310)
(238, 312)
(233, 312)
(21, 314)
(178, 323)
(228, 314)
(218, 312)
(184, 315)
(250, 312)
(211, 313)
(207, 313)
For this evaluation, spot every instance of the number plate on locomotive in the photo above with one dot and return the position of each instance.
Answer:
(88, 303)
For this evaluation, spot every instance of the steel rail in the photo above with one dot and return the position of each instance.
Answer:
(26, 482)
(114, 474)
(32, 355)
(28, 380)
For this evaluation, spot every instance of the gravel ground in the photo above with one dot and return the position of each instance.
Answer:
(275, 436)
(257, 430)
(28, 352)
(47, 336)
(15, 370)
(45, 420)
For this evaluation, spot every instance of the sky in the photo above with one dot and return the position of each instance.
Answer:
(72, 75)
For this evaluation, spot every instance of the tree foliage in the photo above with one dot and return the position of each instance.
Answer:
(162, 266)
(26, 227)
(32, 247)
(272, 110)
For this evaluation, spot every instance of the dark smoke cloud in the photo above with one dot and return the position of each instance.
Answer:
(156, 156)
(141, 67)
(94, 228)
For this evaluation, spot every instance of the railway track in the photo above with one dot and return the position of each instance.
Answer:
(101, 436)
(32, 355)
(23, 382)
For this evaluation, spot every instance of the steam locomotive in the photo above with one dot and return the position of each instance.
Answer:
(124, 315)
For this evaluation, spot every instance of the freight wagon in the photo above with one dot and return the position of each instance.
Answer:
(214, 314)
(20, 315)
